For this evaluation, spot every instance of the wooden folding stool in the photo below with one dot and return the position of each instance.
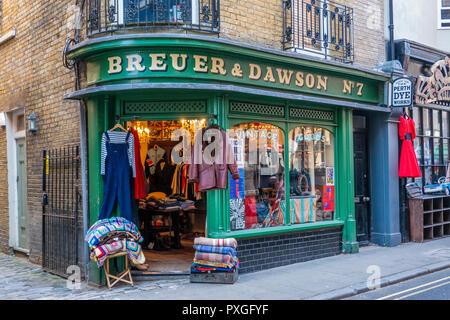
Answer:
(120, 276)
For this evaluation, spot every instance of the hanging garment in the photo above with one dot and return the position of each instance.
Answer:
(408, 168)
(117, 178)
(117, 137)
(139, 181)
(214, 175)
(143, 148)
(163, 176)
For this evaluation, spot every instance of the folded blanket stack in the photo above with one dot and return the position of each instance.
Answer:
(215, 255)
(110, 236)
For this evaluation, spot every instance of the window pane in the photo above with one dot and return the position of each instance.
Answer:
(445, 14)
(418, 149)
(427, 151)
(436, 124)
(428, 176)
(20, 122)
(444, 124)
(417, 120)
(257, 199)
(437, 151)
(445, 3)
(426, 123)
(445, 151)
(311, 174)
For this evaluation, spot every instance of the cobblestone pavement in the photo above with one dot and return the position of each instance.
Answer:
(22, 280)
(325, 278)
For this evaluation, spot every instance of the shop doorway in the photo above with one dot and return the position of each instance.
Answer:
(173, 212)
(361, 167)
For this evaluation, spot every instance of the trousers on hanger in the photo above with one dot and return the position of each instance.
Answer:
(117, 181)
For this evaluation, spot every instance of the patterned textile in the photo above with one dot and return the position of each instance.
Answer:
(200, 268)
(222, 250)
(213, 257)
(229, 242)
(134, 250)
(303, 210)
(106, 227)
(216, 264)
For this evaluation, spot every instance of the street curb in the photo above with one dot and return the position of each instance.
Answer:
(389, 280)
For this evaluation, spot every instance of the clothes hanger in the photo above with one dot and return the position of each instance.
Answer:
(118, 125)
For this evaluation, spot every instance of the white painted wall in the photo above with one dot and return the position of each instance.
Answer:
(417, 20)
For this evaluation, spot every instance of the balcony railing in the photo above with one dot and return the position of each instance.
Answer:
(319, 27)
(146, 15)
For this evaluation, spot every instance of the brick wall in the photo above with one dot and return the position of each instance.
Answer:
(267, 252)
(33, 77)
(260, 22)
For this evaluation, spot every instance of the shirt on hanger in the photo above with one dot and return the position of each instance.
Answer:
(118, 137)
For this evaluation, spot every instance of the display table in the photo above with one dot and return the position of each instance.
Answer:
(150, 230)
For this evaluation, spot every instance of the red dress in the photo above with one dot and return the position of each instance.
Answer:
(139, 181)
(409, 168)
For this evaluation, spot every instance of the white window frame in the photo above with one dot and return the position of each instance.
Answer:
(439, 20)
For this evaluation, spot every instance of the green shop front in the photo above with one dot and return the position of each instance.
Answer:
(289, 119)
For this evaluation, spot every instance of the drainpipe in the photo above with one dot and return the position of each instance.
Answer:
(391, 30)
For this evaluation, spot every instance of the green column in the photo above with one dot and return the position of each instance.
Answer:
(345, 190)
(96, 122)
(218, 217)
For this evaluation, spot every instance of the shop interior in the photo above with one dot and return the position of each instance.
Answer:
(173, 213)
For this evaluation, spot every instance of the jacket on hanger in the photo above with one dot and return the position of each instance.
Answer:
(214, 175)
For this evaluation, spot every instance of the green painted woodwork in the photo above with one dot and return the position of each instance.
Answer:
(226, 110)
(345, 180)
(234, 58)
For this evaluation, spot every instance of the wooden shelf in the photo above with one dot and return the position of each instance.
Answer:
(429, 217)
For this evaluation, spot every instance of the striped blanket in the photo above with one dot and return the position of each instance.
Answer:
(106, 227)
(213, 257)
(134, 250)
(200, 268)
(222, 250)
(230, 264)
(229, 242)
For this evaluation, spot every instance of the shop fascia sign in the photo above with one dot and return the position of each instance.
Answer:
(435, 88)
(206, 67)
(401, 92)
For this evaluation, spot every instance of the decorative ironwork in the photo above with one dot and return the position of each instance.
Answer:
(321, 27)
(131, 108)
(256, 108)
(144, 15)
(61, 209)
(311, 114)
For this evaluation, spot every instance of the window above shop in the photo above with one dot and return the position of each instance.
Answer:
(443, 14)
(152, 15)
(320, 28)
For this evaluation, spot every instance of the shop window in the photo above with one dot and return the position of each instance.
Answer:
(257, 199)
(431, 143)
(311, 175)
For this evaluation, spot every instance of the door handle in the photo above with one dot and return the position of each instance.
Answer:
(366, 199)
